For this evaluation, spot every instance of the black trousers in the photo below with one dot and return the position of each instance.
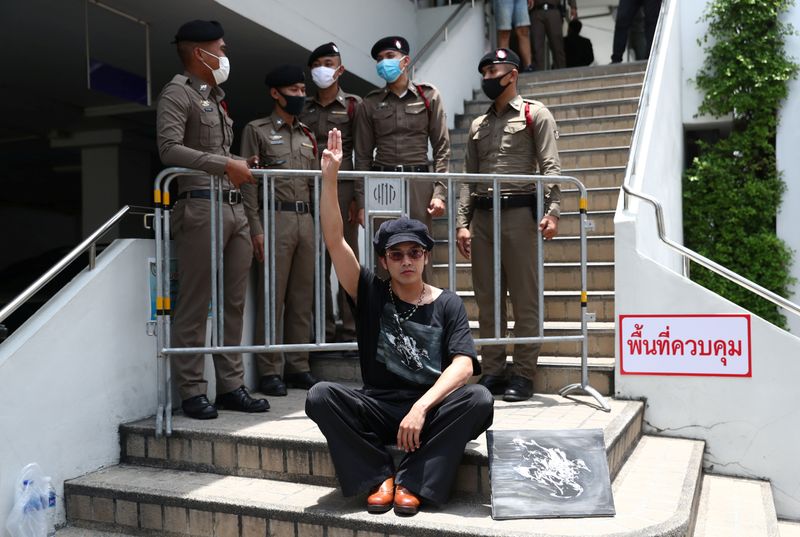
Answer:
(626, 11)
(358, 425)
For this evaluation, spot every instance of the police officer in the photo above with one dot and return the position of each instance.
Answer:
(514, 136)
(280, 140)
(331, 107)
(195, 131)
(396, 122)
(546, 19)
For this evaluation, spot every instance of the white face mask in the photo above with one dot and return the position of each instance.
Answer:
(323, 76)
(220, 74)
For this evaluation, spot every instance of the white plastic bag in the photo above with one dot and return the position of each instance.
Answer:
(28, 517)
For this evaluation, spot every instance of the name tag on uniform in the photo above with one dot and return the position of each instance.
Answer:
(276, 141)
(339, 112)
(416, 104)
(382, 105)
(304, 144)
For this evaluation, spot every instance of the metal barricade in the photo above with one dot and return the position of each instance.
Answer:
(380, 180)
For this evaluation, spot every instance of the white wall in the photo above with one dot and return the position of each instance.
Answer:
(789, 163)
(452, 65)
(749, 424)
(354, 25)
(78, 368)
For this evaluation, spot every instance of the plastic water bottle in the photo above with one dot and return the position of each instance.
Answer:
(50, 507)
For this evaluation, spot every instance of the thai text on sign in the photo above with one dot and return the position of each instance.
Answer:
(705, 345)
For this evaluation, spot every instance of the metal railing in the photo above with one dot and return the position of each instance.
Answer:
(452, 181)
(435, 37)
(89, 244)
(691, 255)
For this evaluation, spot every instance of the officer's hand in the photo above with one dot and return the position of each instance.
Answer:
(361, 217)
(436, 207)
(258, 247)
(252, 161)
(238, 172)
(530, 5)
(332, 156)
(549, 227)
(410, 429)
(573, 13)
(464, 242)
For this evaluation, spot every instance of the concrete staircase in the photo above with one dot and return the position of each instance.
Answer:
(271, 475)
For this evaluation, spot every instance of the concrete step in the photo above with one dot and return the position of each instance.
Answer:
(597, 177)
(562, 249)
(558, 305)
(735, 507)
(789, 528)
(558, 367)
(588, 72)
(653, 495)
(583, 110)
(287, 446)
(86, 532)
(566, 276)
(571, 84)
(598, 123)
(572, 140)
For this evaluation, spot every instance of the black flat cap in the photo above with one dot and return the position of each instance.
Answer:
(400, 230)
(285, 75)
(328, 49)
(393, 42)
(199, 31)
(501, 55)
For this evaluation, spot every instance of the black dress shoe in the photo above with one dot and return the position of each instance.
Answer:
(272, 385)
(519, 389)
(199, 408)
(240, 400)
(495, 383)
(300, 380)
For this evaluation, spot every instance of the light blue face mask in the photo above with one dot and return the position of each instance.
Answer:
(389, 69)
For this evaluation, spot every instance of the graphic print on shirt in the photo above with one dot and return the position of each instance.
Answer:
(409, 350)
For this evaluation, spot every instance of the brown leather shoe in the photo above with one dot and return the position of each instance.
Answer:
(381, 497)
(405, 502)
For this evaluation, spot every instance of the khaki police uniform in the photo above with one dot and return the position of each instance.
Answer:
(506, 144)
(280, 145)
(340, 114)
(546, 19)
(397, 129)
(195, 131)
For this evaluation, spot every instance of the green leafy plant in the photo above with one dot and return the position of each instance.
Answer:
(732, 190)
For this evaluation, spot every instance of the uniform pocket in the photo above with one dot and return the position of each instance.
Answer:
(514, 135)
(417, 116)
(210, 132)
(384, 120)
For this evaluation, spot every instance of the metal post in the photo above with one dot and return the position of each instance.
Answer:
(160, 343)
(213, 201)
(540, 253)
(219, 245)
(319, 271)
(272, 291)
(92, 256)
(687, 267)
(167, 323)
(267, 256)
(451, 235)
(496, 254)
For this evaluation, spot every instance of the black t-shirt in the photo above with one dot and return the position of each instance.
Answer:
(408, 354)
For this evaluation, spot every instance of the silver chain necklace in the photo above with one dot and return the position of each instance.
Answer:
(401, 318)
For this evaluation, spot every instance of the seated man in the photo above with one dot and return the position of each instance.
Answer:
(416, 354)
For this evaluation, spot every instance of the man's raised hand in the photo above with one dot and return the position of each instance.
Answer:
(332, 156)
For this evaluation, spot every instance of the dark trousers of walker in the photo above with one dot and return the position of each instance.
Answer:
(359, 423)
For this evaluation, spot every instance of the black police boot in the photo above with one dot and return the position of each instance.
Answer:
(240, 400)
(495, 383)
(272, 385)
(300, 380)
(519, 389)
(199, 408)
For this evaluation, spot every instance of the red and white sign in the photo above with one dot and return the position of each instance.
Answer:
(699, 345)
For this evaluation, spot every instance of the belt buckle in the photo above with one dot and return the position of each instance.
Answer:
(232, 197)
(399, 168)
(300, 207)
(546, 7)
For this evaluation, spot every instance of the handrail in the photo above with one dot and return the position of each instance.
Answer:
(644, 96)
(437, 33)
(87, 244)
(707, 263)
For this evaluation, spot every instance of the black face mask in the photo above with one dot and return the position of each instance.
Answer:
(294, 104)
(492, 87)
